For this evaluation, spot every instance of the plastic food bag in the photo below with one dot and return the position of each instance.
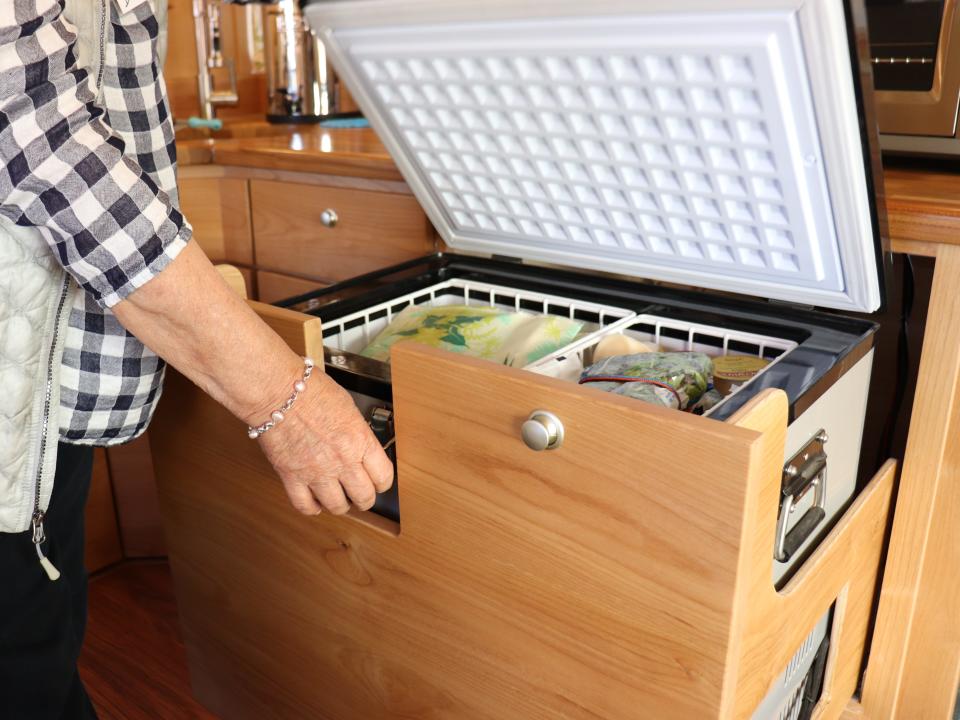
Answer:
(508, 338)
(675, 380)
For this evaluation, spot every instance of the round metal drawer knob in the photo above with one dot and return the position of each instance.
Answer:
(542, 431)
(328, 218)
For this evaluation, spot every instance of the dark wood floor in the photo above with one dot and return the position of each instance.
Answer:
(133, 663)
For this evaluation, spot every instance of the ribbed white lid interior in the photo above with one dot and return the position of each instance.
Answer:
(689, 147)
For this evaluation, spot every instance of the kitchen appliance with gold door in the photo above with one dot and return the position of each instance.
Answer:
(915, 53)
(553, 550)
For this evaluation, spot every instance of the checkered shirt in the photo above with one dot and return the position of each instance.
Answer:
(98, 179)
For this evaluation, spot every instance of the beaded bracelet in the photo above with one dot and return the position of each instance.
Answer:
(277, 415)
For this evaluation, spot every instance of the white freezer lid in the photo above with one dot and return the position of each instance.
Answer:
(713, 143)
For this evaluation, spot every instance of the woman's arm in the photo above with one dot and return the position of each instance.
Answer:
(63, 171)
(190, 317)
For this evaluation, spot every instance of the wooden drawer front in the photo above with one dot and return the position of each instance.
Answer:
(373, 230)
(219, 211)
(272, 287)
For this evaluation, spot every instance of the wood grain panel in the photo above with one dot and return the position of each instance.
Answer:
(521, 585)
(350, 152)
(923, 209)
(249, 281)
(301, 332)
(135, 490)
(219, 211)
(915, 660)
(133, 662)
(375, 230)
(234, 279)
(842, 573)
(102, 535)
(272, 287)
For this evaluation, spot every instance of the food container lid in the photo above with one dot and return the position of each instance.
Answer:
(714, 143)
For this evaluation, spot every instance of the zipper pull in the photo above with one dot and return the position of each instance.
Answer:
(39, 537)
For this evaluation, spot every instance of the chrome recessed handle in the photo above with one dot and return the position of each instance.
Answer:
(542, 431)
(329, 218)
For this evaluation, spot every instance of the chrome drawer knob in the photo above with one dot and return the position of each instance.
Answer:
(542, 431)
(328, 218)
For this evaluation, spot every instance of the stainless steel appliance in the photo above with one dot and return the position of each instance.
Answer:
(210, 59)
(716, 145)
(915, 52)
(301, 85)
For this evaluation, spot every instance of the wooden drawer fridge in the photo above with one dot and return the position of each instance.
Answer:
(551, 550)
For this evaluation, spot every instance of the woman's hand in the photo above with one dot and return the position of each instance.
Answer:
(325, 453)
(323, 449)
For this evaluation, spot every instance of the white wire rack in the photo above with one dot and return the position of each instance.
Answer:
(671, 336)
(353, 332)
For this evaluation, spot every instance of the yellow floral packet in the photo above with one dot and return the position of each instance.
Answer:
(509, 338)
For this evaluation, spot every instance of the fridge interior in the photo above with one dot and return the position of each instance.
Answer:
(671, 335)
(353, 332)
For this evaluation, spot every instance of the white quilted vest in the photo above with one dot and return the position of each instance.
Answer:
(35, 300)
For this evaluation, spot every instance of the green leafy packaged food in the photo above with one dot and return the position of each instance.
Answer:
(509, 338)
(675, 380)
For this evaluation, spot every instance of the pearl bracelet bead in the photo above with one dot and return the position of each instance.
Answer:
(278, 415)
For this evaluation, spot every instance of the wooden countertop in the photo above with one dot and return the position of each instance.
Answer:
(923, 204)
(304, 148)
(923, 208)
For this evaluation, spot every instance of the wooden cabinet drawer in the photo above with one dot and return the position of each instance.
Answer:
(373, 230)
(219, 211)
(272, 287)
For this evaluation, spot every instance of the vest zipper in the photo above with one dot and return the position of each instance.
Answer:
(103, 40)
(38, 534)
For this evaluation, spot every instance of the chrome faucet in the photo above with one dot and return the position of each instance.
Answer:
(207, 24)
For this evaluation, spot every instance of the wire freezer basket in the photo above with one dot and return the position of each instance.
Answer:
(353, 332)
(672, 336)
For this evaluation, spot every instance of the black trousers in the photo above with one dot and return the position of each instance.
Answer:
(42, 621)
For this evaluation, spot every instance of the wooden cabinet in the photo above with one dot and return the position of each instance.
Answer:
(331, 234)
(602, 579)
(218, 208)
(135, 494)
(288, 237)
(103, 546)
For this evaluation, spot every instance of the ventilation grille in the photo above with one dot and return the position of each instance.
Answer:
(791, 711)
(797, 662)
(660, 154)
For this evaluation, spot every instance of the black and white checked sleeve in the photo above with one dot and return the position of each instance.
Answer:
(63, 171)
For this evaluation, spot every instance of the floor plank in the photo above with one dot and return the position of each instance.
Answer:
(133, 663)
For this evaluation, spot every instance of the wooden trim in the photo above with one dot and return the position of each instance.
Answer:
(273, 287)
(915, 247)
(306, 178)
(914, 663)
(102, 535)
(842, 573)
(234, 278)
(853, 711)
(301, 332)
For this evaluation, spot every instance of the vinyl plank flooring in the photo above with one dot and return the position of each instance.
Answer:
(134, 663)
